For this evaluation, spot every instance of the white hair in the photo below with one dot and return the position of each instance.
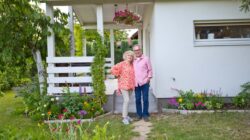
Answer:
(131, 53)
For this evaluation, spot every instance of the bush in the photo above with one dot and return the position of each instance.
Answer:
(242, 100)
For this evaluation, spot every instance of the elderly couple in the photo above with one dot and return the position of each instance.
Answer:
(134, 74)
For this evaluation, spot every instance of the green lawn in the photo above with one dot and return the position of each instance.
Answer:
(12, 118)
(14, 124)
(216, 126)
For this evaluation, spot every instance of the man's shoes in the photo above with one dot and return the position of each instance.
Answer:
(146, 119)
(138, 118)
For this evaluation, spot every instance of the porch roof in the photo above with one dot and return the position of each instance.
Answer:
(85, 10)
(76, 2)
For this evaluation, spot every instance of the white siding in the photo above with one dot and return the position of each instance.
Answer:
(173, 53)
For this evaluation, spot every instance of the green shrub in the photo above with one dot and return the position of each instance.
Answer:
(242, 100)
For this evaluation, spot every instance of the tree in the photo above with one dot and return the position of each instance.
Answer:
(24, 30)
(245, 5)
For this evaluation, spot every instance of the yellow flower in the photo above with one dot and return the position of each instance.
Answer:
(85, 103)
(180, 100)
(199, 95)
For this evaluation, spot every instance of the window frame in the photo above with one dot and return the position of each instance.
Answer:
(220, 41)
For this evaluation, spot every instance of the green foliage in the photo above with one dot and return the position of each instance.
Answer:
(16, 126)
(98, 73)
(245, 5)
(78, 32)
(23, 29)
(41, 106)
(242, 100)
(186, 100)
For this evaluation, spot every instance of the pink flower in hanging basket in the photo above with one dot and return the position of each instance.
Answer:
(126, 17)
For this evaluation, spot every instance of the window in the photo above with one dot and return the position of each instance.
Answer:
(222, 32)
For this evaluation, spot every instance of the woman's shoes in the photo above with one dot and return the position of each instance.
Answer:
(127, 120)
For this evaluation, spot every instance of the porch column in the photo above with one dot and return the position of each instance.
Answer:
(51, 38)
(50, 41)
(71, 28)
(84, 49)
(99, 16)
(112, 47)
(139, 36)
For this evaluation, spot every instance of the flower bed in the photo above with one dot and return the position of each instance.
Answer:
(189, 100)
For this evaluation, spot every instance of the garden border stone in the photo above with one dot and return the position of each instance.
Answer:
(200, 111)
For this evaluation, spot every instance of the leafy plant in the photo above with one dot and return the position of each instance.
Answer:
(98, 72)
(215, 100)
(186, 99)
(242, 100)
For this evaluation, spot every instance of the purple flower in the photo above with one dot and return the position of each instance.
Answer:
(82, 112)
(79, 122)
(173, 102)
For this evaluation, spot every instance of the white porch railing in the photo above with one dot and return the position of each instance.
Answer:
(71, 72)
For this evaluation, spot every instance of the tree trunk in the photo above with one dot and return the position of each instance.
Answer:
(40, 68)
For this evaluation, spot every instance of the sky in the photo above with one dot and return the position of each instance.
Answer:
(64, 9)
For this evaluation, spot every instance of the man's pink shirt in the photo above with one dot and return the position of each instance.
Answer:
(143, 70)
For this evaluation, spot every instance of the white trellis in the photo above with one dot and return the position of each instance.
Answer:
(71, 72)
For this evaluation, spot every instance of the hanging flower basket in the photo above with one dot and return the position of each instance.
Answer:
(126, 17)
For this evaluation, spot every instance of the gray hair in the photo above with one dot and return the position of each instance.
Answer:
(128, 53)
(137, 45)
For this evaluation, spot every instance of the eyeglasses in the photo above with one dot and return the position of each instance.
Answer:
(137, 50)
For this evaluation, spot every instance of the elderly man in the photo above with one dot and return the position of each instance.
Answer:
(143, 74)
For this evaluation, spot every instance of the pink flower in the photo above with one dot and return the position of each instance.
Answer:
(65, 110)
(60, 116)
(72, 118)
(79, 122)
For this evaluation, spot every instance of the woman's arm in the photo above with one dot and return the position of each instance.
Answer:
(116, 70)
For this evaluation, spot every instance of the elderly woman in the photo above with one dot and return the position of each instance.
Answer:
(126, 81)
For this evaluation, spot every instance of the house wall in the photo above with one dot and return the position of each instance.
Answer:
(174, 56)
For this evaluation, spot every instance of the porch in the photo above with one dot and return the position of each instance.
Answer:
(74, 72)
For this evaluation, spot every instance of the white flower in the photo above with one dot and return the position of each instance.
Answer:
(57, 98)
(52, 99)
(45, 105)
(43, 114)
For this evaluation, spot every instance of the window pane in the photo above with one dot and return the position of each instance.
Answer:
(222, 30)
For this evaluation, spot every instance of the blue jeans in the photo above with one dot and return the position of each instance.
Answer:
(142, 91)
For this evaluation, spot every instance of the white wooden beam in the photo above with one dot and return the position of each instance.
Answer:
(112, 47)
(50, 41)
(51, 38)
(84, 47)
(99, 16)
(69, 69)
(71, 28)
(72, 89)
(140, 37)
(84, 79)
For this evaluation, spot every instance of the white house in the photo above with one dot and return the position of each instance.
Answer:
(193, 44)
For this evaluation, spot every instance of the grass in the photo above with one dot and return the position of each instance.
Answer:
(12, 118)
(215, 126)
(15, 125)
